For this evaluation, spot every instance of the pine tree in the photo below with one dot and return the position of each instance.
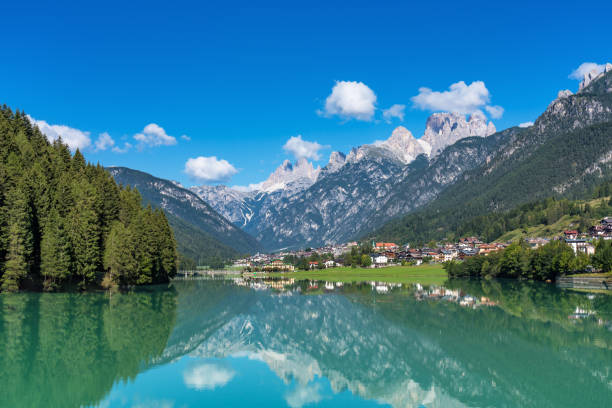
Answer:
(19, 250)
(56, 253)
(85, 233)
(120, 255)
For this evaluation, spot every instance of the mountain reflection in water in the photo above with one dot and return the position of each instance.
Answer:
(294, 343)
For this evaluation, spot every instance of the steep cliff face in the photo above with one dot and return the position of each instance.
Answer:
(444, 129)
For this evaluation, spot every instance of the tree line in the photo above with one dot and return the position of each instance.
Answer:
(518, 261)
(66, 223)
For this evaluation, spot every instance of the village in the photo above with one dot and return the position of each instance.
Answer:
(384, 254)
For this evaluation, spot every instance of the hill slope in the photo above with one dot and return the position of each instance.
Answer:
(200, 231)
(566, 152)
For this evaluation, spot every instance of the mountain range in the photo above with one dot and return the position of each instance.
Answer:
(567, 151)
(299, 205)
(406, 188)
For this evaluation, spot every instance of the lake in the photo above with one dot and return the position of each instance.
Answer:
(282, 343)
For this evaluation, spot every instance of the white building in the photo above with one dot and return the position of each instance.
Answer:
(380, 260)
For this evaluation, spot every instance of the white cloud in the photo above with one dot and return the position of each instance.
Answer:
(209, 169)
(105, 141)
(585, 68)
(395, 111)
(460, 98)
(185, 137)
(351, 100)
(304, 395)
(302, 148)
(525, 124)
(74, 138)
(126, 147)
(496, 112)
(207, 376)
(154, 135)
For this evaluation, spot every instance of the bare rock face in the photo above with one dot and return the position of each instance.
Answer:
(303, 172)
(444, 129)
(405, 146)
(227, 201)
(564, 94)
(593, 75)
(336, 161)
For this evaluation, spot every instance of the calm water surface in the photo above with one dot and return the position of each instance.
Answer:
(275, 344)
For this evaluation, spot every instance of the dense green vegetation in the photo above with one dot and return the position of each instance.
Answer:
(64, 222)
(518, 261)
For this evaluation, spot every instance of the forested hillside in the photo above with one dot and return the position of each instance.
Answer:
(565, 153)
(202, 234)
(65, 223)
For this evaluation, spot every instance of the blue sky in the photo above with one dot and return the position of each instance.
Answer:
(239, 79)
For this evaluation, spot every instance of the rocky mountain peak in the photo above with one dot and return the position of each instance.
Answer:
(336, 160)
(403, 144)
(444, 129)
(287, 173)
(593, 75)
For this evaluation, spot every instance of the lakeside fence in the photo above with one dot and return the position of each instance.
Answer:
(585, 282)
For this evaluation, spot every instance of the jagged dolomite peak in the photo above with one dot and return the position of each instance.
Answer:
(593, 75)
(303, 172)
(336, 161)
(405, 146)
(444, 129)
(564, 94)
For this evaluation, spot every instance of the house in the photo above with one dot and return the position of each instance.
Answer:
(313, 264)
(380, 260)
(486, 249)
(330, 264)
(597, 231)
(581, 245)
(385, 246)
(278, 265)
(607, 221)
(570, 234)
(465, 253)
(471, 241)
(448, 255)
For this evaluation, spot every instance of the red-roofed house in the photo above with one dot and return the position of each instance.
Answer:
(386, 246)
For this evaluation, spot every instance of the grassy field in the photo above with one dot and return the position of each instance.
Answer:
(424, 274)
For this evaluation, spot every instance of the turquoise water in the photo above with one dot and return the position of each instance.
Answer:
(281, 343)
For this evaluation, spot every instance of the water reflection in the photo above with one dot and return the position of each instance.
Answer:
(67, 350)
(297, 343)
(466, 344)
